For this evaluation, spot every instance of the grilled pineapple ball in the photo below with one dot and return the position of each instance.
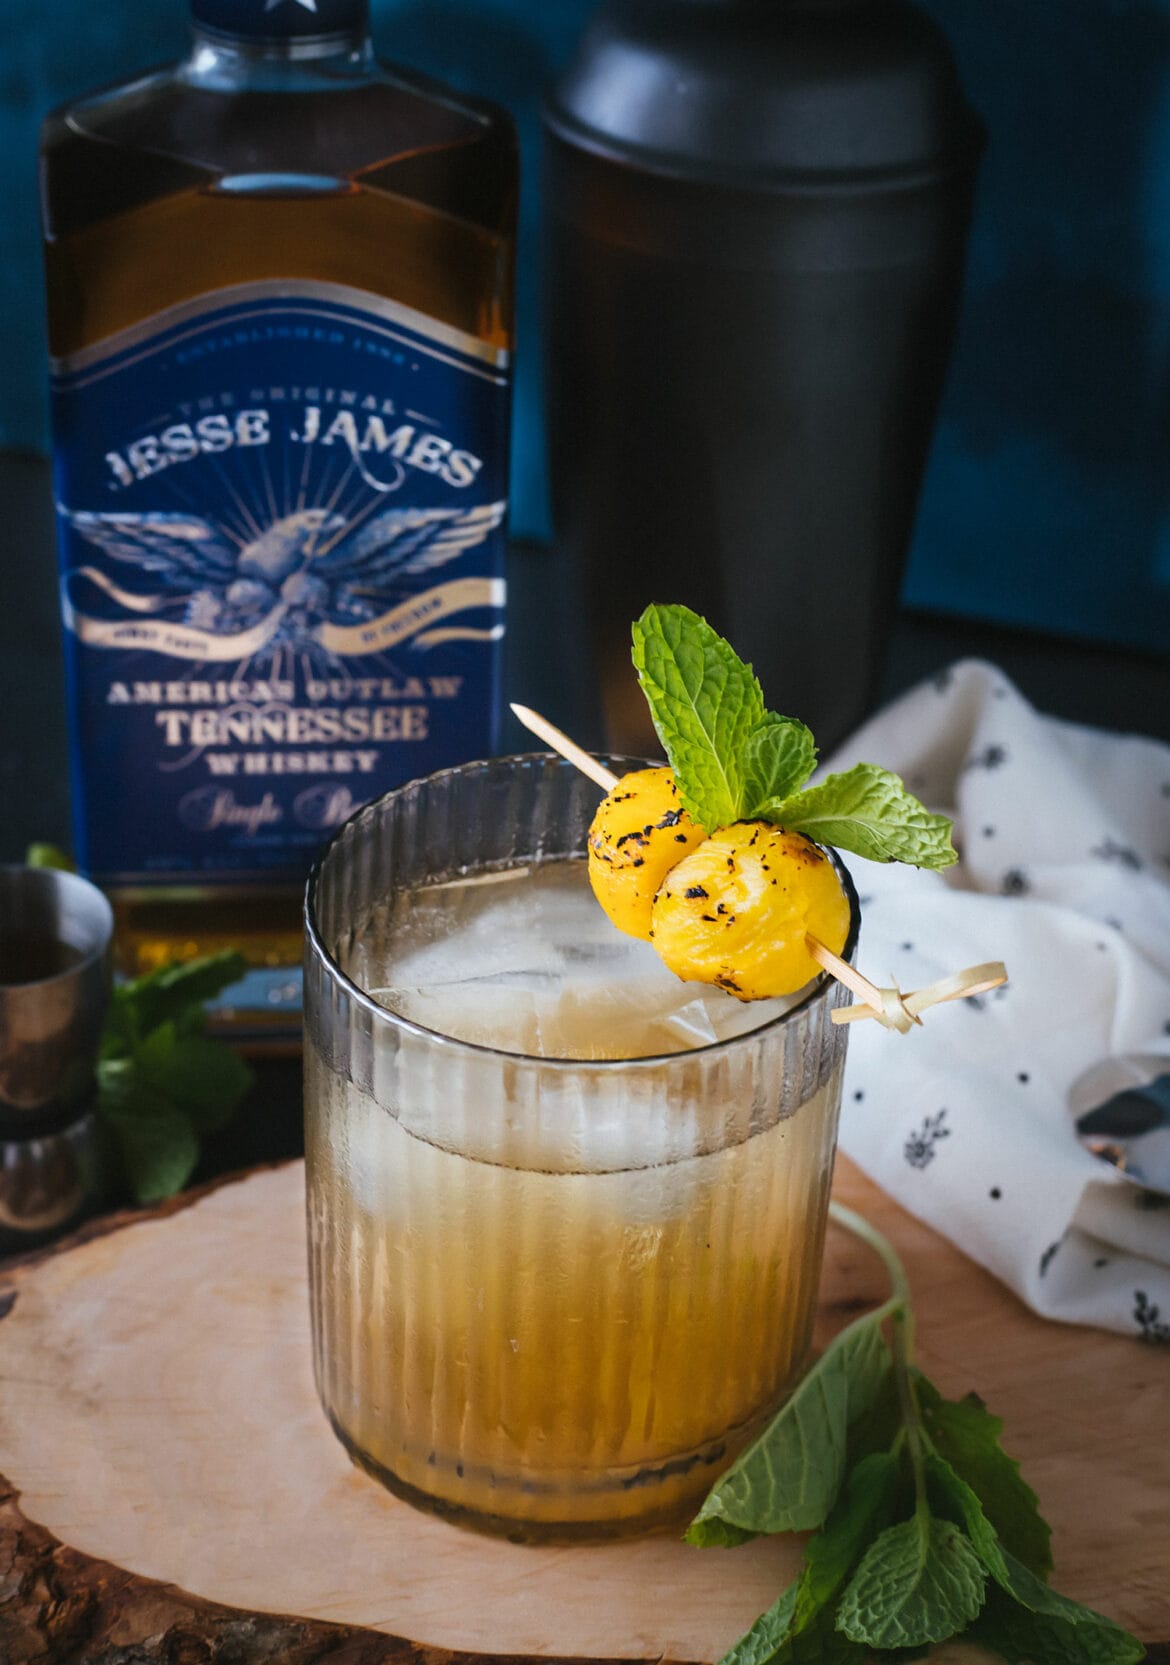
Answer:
(736, 909)
(639, 832)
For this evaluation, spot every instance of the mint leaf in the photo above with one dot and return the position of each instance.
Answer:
(962, 1501)
(762, 1642)
(169, 994)
(798, 1629)
(1031, 1593)
(205, 1078)
(861, 1512)
(788, 1480)
(159, 1154)
(966, 1433)
(875, 1428)
(1025, 1638)
(868, 810)
(919, 1582)
(770, 1641)
(123, 1094)
(713, 1533)
(48, 855)
(821, 1644)
(157, 1144)
(779, 756)
(705, 702)
(1011, 1575)
(161, 1080)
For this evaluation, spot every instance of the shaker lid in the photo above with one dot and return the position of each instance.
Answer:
(795, 92)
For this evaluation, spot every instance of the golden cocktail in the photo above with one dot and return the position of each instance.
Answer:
(565, 1212)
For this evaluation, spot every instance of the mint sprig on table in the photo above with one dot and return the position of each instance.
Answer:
(734, 760)
(162, 1081)
(925, 1529)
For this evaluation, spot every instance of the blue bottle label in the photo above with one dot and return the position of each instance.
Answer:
(281, 526)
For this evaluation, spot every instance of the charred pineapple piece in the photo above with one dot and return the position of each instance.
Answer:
(638, 834)
(736, 909)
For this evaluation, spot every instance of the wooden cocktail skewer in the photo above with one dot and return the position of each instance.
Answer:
(891, 1008)
(568, 749)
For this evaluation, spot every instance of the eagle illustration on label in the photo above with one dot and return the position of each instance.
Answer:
(310, 581)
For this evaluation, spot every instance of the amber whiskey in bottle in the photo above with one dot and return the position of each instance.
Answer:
(280, 284)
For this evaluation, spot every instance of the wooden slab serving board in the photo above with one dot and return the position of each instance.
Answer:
(158, 1418)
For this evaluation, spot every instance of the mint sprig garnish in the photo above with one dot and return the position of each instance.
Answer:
(706, 704)
(779, 756)
(734, 760)
(867, 810)
(926, 1529)
(162, 1081)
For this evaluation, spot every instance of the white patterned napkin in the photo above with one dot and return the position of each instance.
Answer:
(1064, 874)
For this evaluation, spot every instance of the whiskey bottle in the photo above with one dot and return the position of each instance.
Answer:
(279, 283)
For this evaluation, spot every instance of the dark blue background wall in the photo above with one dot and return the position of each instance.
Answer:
(1048, 498)
(1047, 501)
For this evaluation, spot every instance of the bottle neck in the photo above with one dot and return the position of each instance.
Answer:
(288, 29)
(237, 47)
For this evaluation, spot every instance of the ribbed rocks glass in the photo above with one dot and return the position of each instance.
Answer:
(551, 1296)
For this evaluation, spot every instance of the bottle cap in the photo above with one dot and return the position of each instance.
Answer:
(281, 19)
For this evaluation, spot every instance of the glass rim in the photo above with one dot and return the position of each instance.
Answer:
(386, 1017)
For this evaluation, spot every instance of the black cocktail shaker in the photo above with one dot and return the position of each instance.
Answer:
(756, 217)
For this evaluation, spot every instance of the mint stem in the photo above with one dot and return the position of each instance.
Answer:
(859, 1226)
(902, 1340)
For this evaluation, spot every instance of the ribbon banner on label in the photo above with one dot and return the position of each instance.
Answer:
(401, 624)
(410, 617)
(178, 640)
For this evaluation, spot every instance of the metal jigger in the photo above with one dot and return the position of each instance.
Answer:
(55, 967)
